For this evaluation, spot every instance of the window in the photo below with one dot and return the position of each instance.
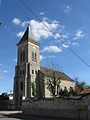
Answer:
(21, 85)
(36, 72)
(34, 56)
(23, 72)
(32, 71)
(22, 56)
(20, 72)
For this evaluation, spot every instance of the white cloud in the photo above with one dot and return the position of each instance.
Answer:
(53, 49)
(41, 13)
(42, 57)
(67, 8)
(40, 30)
(57, 36)
(20, 34)
(16, 21)
(15, 60)
(5, 71)
(79, 34)
(65, 46)
(65, 35)
(23, 24)
(75, 44)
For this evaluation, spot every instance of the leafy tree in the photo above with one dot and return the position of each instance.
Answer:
(4, 101)
(4, 96)
(80, 86)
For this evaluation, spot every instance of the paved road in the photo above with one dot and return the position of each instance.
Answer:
(16, 115)
(7, 118)
(2, 117)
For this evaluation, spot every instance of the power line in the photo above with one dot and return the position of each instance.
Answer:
(70, 49)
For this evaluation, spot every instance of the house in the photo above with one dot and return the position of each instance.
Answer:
(30, 77)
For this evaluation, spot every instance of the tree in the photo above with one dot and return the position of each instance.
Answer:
(4, 101)
(53, 84)
(72, 91)
(4, 96)
(80, 86)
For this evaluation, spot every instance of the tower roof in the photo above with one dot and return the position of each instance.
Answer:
(28, 36)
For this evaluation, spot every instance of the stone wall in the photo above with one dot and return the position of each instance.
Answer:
(59, 108)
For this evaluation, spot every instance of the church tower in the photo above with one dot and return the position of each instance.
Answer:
(28, 65)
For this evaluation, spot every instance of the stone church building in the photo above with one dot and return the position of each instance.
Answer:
(30, 77)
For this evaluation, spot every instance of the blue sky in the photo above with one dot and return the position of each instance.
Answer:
(68, 19)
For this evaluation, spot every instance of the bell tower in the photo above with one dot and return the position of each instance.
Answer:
(28, 65)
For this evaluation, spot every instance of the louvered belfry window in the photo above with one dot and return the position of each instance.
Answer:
(34, 56)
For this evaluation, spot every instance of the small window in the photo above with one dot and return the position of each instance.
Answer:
(21, 57)
(20, 72)
(21, 85)
(36, 72)
(23, 72)
(32, 71)
(34, 56)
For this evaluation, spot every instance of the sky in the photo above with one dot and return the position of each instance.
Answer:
(68, 19)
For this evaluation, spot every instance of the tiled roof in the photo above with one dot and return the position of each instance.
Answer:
(86, 91)
(28, 36)
(49, 73)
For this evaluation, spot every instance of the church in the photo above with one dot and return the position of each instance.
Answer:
(30, 78)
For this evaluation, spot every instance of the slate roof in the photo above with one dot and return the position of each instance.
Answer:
(28, 36)
(48, 72)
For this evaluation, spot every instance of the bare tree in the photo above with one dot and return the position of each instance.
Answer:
(53, 82)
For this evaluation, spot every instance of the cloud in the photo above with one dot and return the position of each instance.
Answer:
(75, 44)
(16, 21)
(5, 71)
(20, 34)
(65, 46)
(41, 13)
(52, 49)
(40, 30)
(15, 60)
(23, 24)
(64, 36)
(67, 8)
(1, 64)
(42, 57)
(79, 34)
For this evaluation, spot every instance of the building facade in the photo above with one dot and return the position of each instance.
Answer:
(30, 78)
